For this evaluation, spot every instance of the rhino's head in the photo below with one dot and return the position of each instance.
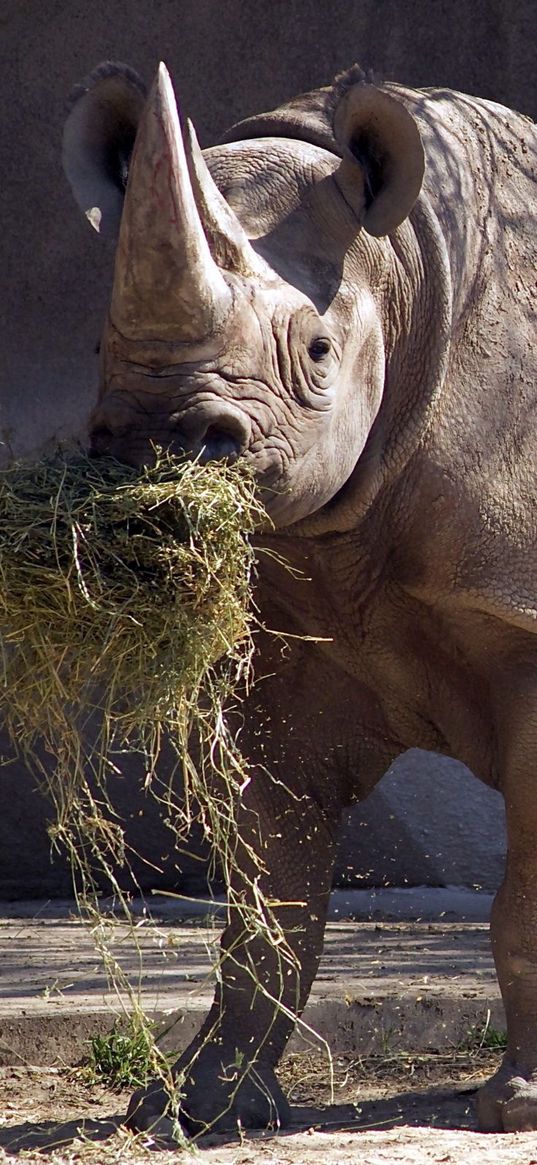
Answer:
(246, 312)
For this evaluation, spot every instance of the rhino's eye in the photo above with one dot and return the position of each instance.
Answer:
(319, 348)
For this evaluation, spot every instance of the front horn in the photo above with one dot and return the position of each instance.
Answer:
(167, 285)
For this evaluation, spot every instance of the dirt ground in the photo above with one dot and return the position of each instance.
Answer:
(409, 1110)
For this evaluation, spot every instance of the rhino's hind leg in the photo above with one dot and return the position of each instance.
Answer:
(226, 1077)
(508, 1102)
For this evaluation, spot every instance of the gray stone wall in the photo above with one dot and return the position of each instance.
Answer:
(228, 58)
(428, 823)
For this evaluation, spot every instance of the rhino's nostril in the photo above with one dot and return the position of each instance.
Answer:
(219, 444)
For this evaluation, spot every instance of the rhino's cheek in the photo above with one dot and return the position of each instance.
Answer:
(300, 476)
(294, 482)
(287, 500)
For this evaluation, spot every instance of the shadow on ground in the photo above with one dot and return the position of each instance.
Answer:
(50, 1135)
(439, 1108)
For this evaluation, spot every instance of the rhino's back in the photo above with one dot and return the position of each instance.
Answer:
(479, 458)
(481, 178)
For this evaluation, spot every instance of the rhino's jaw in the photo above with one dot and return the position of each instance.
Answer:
(130, 427)
(294, 479)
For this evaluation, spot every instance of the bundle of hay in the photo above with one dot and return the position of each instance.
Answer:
(118, 592)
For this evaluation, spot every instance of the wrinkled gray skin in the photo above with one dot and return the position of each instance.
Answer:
(370, 351)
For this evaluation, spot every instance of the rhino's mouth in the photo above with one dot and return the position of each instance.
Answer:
(219, 445)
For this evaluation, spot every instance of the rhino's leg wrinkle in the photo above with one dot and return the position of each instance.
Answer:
(230, 1065)
(508, 1102)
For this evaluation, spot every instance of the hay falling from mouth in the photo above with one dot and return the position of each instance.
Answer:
(119, 592)
(125, 619)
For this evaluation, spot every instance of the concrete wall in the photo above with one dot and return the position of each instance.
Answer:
(428, 823)
(228, 58)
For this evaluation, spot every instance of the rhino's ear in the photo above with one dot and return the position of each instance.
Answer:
(98, 139)
(376, 131)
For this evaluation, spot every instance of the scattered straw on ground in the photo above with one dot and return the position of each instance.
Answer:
(55, 1118)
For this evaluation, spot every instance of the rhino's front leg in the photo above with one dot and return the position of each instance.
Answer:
(226, 1076)
(508, 1102)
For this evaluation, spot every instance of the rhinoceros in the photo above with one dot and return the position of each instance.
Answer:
(342, 292)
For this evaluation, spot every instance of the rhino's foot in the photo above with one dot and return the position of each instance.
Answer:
(507, 1103)
(151, 1110)
(215, 1097)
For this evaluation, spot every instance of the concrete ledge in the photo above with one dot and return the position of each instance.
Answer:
(376, 1026)
(397, 985)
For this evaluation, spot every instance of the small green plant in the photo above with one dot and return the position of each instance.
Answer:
(483, 1035)
(123, 1057)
